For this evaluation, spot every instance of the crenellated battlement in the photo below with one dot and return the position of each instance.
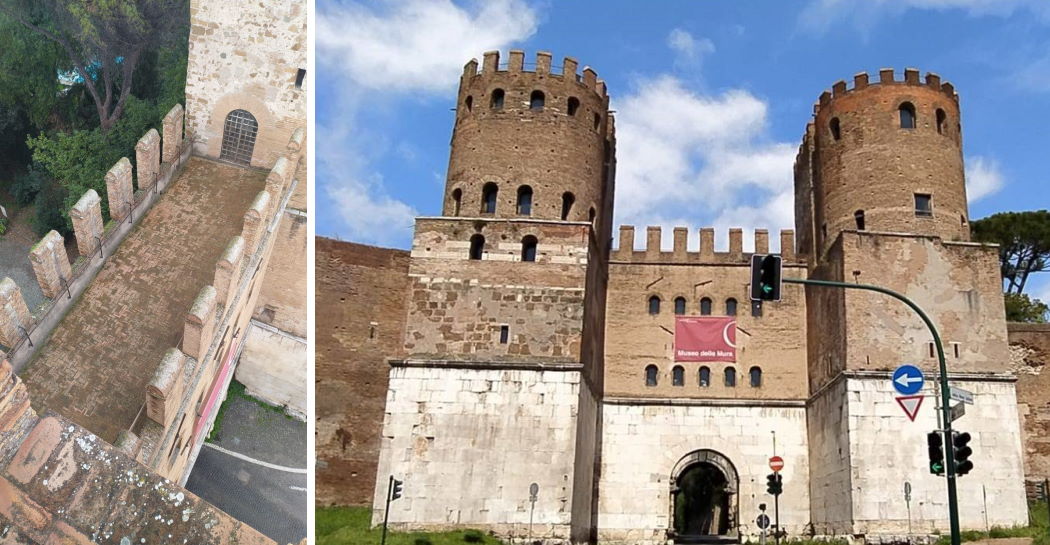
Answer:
(653, 253)
(862, 80)
(542, 66)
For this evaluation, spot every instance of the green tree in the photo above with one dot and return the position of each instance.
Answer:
(1021, 308)
(105, 40)
(28, 69)
(1024, 244)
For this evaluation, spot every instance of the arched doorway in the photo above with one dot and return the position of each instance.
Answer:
(704, 486)
(238, 137)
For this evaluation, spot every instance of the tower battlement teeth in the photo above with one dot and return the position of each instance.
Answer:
(886, 76)
(653, 253)
(516, 64)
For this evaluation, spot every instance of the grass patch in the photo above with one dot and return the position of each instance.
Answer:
(239, 391)
(1038, 529)
(350, 526)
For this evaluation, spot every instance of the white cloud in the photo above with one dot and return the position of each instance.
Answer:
(410, 45)
(820, 14)
(692, 159)
(982, 178)
(369, 214)
(689, 51)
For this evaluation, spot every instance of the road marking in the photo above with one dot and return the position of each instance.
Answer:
(257, 462)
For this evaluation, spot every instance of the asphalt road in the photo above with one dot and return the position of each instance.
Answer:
(268, 491)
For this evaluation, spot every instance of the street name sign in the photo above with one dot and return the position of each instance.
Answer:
(910, 404)
(908, 380)
(958, 394)
(957, 411)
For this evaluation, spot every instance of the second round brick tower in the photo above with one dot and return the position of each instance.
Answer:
(525, 128)
(882, 156)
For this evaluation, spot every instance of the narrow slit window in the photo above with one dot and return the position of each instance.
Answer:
(504, 334)
(528, 248)
(955, 347)
(654, 305)
(932, 352)
(941, 119)
(679, 305)
(457, 200)
(469, 103)
(705, 377)
(650, 375)
(678, 376)
(597, 121)
(858, 216)
(836, 130)
(477, 246)
(300, 77)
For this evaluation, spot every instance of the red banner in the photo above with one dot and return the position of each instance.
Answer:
(704, 338)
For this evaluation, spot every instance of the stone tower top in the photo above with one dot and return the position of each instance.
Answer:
(530, 140)
(882, 156)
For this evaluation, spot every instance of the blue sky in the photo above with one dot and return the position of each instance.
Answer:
(712, 97)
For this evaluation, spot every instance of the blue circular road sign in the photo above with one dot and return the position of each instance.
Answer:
(908, 379)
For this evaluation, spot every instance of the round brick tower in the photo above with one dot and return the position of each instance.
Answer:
(523, 130)
(887, 156)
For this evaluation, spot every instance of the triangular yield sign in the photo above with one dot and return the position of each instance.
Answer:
(911, 405)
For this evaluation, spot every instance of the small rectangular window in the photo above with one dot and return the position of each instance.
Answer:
(933, 353)
(923, 204)
(956, 347)
(300, 76)
(504, 334)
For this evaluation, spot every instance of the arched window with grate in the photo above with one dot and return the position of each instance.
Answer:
(678, 376)
(654, 305)
(524, 201)
(705, 307)
(907, 112)
(650, 375)
(730, 377)
(705, 377)
(730, 307)
(679, 305)
(528, 248)
(238, 137)
(477, 246)
(756, 377)
(489, 194)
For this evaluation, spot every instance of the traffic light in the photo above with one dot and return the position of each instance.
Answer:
(774, 484)
(395, 492)
(935, 442)
(765, 277)
(962, 452)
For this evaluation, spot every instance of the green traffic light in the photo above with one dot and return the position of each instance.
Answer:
(766, 288)
(936, 467)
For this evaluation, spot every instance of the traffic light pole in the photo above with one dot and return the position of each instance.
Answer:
(949, 454)
(386, 514)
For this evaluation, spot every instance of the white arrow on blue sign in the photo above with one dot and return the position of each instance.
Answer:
(908, 379)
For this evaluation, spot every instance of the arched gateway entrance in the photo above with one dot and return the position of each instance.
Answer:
(704, 486)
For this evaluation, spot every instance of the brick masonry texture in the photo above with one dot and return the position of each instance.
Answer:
(1029, 357)
(360, 305)
(13, 313)
(61, 484)
(243, 57)
(173, 133)
(95, 367)
(119, 190)
(147, 159)
(87, 222)
(51, 264)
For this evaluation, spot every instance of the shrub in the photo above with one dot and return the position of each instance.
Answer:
(50, 211)
(422, 541)
(473, 536)
(25, 187)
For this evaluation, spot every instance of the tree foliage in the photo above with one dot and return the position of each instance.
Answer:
(1021, 308)
(28, 66)
(104, 40)
(1024, 244)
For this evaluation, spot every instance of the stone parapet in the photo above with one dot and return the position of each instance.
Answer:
(227, 269)
(164, 390)
(200, 324)
(173, 128)
(147, 159)
(87, 222)
(652, 252)
(119, 190)
(51, 264)
(13, 313)
(255, 222)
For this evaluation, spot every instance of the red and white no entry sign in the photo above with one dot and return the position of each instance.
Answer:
(776, 463)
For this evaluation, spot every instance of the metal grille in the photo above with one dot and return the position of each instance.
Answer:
(238, 137)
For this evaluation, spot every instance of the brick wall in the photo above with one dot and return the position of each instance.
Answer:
(360, 305)
(1029, 356)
